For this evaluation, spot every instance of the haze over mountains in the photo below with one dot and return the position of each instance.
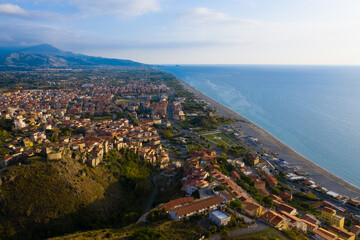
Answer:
(45, 55)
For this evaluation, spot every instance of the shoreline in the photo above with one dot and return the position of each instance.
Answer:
(321, 176)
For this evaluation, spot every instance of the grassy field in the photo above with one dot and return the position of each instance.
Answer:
(219, 138)
(123, 101)
(163, 230)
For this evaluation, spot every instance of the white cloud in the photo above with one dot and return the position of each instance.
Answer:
(117, 7)
(28, 34)
(204, 15)
(11, 9)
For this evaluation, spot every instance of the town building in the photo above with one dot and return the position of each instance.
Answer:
(196, 207)
(322, 234)
(252, 209)
(342, 233)
(219, 218)
(329, 216)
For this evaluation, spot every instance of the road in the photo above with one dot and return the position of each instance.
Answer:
(151, 201)
(257, 227)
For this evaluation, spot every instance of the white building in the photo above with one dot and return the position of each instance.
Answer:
(19, 123)
(219, 217)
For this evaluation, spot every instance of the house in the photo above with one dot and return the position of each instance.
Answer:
(286, 195)
(355, 229)
(341, 232)
(189, 187)
(328, 215)
(196, 207)
(310, 226)
(271, 180)
(311, 219)
(322, 234)
(226, 196)
(252, 209)
(286, 208)
(276, 198)
(4, 161)
(253, 160)
(175, 203)
(337, 220)
(235, 175)
(219, 218)
(295, 222)
(276, 220)
(260, 185)
(27, 142)
(54, 152)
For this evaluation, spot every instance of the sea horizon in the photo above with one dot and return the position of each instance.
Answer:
(316, 140)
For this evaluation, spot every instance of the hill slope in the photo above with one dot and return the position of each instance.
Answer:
(44, 199)
(45, 55)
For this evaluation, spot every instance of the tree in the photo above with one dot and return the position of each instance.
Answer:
(236, 204)
(130, 218)
(155, 215)
(195, 194)
(275, 190)
(268, 202)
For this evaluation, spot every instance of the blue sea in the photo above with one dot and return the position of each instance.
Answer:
(313, 109)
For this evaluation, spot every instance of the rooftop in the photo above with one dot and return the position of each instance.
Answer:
(220, 214)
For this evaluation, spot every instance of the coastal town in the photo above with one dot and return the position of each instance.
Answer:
(208, 168)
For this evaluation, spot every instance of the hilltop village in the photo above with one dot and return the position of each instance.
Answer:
(208, 170)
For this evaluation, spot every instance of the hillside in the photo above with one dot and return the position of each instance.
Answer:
(161, 230)
(47, 56)
(43, 199)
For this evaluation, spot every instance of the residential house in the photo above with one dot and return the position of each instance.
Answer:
(295, 222)
(311, 219)
(341, 232)
(286, 208)
(328, 215)
(276, 220)
(196, 207)
(219, 218)
(322, 234)
(252, 209)
(355, 229)
(176, 203)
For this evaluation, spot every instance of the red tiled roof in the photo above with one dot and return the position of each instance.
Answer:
(328, 210)
(174, 203)
(286, 208)
(197, 205)
(325, 234)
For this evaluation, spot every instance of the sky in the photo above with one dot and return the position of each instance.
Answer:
(325, 32)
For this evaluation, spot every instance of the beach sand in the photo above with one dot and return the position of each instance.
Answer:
(321, 176)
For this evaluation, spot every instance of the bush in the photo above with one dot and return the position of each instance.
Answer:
(146, 234)
(156, 215)
(236, 204)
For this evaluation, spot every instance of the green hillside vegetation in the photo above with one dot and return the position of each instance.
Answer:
(160, 230)
(51, 198)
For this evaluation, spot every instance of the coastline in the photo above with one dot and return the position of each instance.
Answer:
(320, 175)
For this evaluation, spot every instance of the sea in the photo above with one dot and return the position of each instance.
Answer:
(313, 109)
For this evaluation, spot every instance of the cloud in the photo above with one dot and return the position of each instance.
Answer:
(12, 10)
(204, 15)
(116, 7)
(28, 34)
(85, 8)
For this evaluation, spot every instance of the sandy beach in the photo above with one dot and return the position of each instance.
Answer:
(321, 176)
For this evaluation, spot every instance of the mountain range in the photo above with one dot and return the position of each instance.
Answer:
(48, 56)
